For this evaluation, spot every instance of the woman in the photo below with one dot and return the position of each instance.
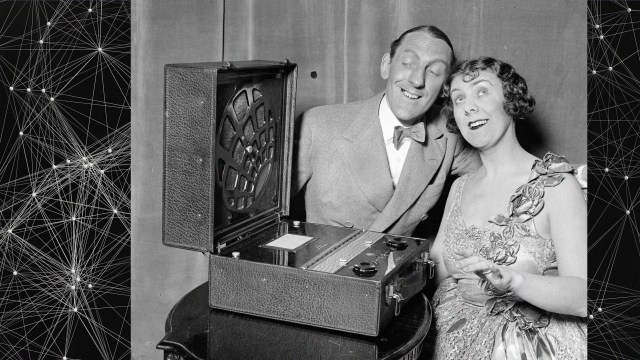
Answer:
(512, 285)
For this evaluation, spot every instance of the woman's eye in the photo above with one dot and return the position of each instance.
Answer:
(482, 92)
(458, 99)
(436, 73)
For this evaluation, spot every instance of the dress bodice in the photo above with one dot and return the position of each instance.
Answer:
(475, 320)
(510, 238)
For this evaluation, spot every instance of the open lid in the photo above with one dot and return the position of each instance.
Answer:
(228, 131)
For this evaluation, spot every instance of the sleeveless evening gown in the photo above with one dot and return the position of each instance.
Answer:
(474, 320)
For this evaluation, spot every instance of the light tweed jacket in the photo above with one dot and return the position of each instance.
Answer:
(342, 160)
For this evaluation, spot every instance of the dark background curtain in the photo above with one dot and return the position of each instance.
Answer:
(338, 46)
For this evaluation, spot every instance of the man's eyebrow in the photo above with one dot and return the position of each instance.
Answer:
(431, 62)
(411, 51)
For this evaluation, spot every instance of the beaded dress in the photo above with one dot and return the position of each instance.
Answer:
(476, 321)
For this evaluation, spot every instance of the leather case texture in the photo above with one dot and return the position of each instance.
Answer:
(345, 303)
(189, 130)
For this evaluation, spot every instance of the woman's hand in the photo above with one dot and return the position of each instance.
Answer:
(501, 277)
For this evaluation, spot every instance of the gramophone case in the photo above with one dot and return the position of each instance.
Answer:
(228, 134)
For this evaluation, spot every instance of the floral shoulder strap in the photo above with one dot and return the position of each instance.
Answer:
(528, 200)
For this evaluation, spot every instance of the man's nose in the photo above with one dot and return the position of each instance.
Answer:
(417, 77)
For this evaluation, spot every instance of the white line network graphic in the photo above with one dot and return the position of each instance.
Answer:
(614, 166)
(64, 179)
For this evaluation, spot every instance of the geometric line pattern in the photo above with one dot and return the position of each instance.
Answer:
(65, 150)
(614, 178)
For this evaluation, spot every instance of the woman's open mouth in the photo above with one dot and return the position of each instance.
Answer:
(477, 124)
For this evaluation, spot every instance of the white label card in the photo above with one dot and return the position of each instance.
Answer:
(289, 241)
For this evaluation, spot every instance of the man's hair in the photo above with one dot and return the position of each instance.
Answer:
(517, 102)
(429, 29)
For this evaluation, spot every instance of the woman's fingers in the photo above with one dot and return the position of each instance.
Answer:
(467, 261)
(476, 264)
(461, 253)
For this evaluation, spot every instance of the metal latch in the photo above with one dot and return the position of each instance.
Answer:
(432, 268)
(397, 299)
(431, 264)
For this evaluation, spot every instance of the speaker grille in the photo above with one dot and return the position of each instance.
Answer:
(245, 150)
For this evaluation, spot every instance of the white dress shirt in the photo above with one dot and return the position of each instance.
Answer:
(396, 158)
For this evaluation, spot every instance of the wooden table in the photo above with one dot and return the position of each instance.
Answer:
(195, 331)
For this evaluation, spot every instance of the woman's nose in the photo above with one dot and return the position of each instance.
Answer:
(470, 107)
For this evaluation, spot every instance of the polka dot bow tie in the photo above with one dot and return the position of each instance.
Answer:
(416, 132)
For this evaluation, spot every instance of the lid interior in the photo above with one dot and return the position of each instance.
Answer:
(248, 152)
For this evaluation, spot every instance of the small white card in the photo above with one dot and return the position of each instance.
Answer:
(289, 241)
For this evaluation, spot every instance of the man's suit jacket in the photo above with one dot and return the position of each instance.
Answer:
(342, 160)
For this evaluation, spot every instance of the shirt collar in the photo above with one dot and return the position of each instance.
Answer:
(388, 121)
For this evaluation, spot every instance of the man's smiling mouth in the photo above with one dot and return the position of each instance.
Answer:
(410, 95)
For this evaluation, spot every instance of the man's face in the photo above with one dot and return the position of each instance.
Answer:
(415, 75)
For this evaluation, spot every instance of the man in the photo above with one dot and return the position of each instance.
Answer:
(355, 175)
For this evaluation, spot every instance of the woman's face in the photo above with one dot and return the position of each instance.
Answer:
(478, 108)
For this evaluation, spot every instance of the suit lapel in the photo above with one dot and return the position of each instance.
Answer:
(363, 146)
(421, 164)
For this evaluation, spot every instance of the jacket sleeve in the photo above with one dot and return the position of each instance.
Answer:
(465, 158)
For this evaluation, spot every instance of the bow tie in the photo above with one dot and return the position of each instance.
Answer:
(416, 132)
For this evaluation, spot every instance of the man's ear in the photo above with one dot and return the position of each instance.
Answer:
(385, 65)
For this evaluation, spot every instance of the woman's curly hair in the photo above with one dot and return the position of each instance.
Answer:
(517, 102)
